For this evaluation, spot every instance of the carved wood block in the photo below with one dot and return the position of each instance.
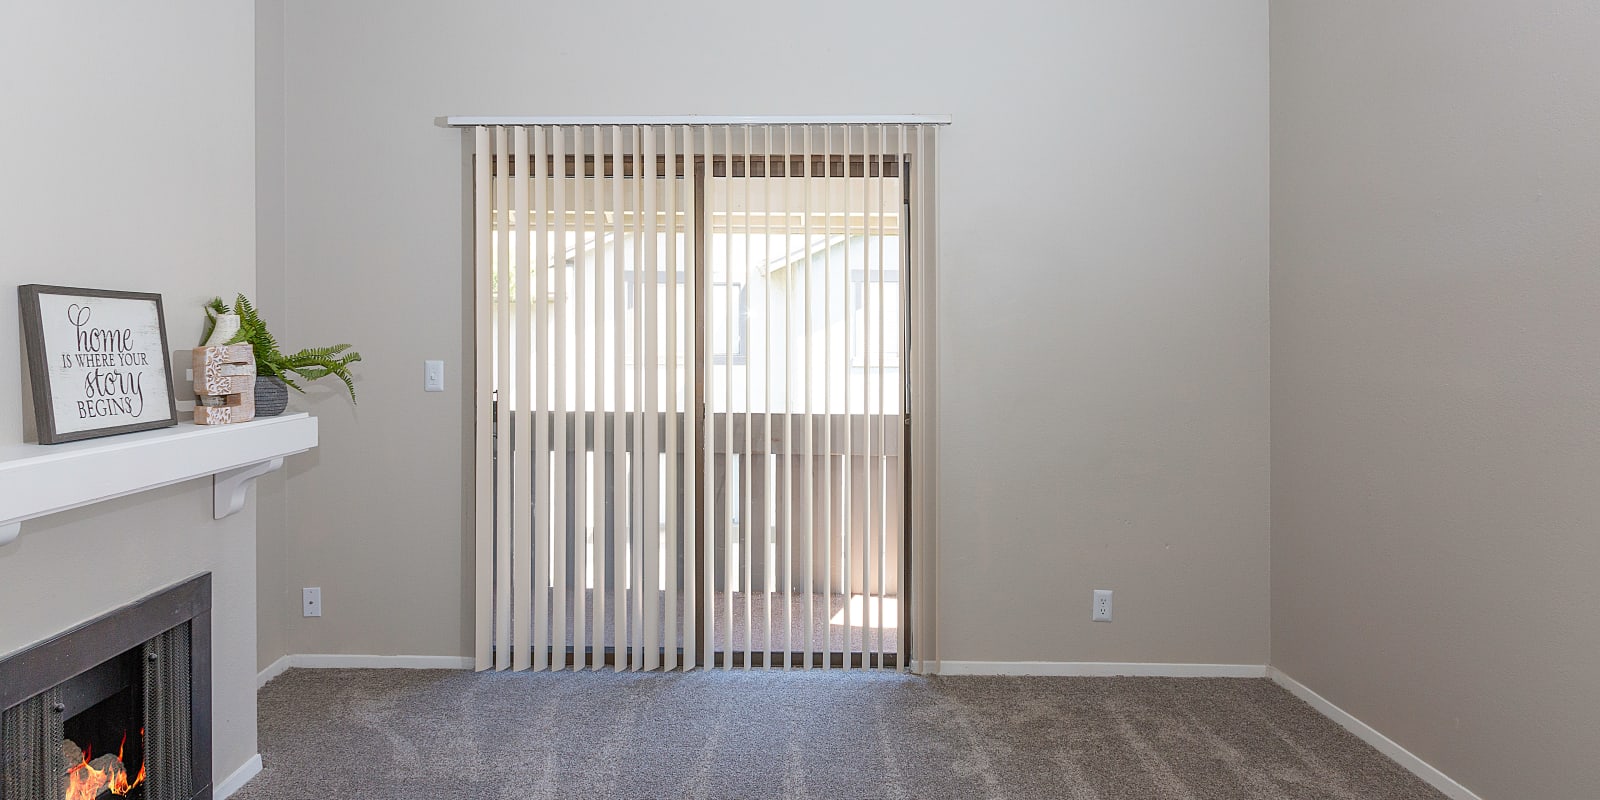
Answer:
(221, 370)
(224, 384)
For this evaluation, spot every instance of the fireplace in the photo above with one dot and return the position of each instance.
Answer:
(119, 707)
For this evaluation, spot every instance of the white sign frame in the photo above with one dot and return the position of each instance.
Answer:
(97, 358)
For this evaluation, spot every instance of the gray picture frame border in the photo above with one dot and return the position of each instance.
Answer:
(38, 374)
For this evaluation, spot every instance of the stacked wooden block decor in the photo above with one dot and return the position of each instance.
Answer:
(224, 384)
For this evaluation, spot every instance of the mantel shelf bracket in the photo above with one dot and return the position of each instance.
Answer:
(228, 488)
(38, 480)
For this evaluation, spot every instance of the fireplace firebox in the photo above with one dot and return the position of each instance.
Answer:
(119, 707)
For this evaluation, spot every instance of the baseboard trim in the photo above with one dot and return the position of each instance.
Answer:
(1101, 669)
(238, 779)
(1366, 733)
(343, 661)
(273, 670)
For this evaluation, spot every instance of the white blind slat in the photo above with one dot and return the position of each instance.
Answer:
(808, 457)
(539, 363)
(502, 534)
(921, 335)
(828, 359)
(650, 531)
(563, 403)
(881, 420)
(619, 435)
(902, 464)
(669, 642)
(597, 563)
(708, 422)
(884, 420)
(522, 548)
(786, 502)
(729, 488)
(636, 615)
(580, 431)
(483, 227)
(747, 477)
(764, 463)
(870, 501)
(827, 393)
(851, 483)
(691, 470)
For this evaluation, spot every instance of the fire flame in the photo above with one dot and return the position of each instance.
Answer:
(119, 783)
(85, 782)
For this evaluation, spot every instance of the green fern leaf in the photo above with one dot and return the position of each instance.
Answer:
(307, 365)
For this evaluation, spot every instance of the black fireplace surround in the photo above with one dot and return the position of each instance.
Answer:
(150, 662)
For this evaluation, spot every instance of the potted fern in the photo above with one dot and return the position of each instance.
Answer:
(273, 368)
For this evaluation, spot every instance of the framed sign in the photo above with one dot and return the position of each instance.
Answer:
(98, 361)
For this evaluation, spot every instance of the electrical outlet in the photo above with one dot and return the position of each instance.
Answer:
(311, 601)
(1102, 605)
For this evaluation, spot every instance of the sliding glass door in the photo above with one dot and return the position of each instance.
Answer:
(692, 351)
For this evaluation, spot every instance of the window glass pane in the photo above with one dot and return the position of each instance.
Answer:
(760, 279)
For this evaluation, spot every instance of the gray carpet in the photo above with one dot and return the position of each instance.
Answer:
(430, 734)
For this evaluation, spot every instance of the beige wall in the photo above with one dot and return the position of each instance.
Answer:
(1104, 309)
(127, 162)
(1435, 289)
(274, 593)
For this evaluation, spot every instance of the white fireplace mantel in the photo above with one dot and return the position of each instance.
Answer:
(36, 480)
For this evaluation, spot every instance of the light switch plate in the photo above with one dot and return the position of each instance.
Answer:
(433, 376)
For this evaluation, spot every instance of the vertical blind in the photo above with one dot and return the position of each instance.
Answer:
(698, 353)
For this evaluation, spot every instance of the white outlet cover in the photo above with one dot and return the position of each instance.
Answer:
(432, 376)
(311, 601)
(1101, 611)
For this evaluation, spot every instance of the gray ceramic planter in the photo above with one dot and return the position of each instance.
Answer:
(272, 396)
